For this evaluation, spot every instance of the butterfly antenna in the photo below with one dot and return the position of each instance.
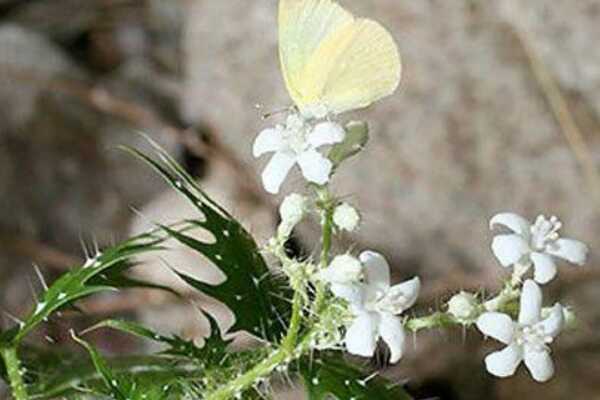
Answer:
(269, 114)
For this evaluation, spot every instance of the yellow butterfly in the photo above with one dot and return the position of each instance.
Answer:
(333, 62)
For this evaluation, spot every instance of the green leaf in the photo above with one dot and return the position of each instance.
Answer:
(329, 376)
(211, 353)
(357, 136)
(102, 273)
(257, 299)
(52, 374)
(129, 386)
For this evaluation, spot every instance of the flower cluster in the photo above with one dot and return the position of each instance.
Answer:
(372, 307)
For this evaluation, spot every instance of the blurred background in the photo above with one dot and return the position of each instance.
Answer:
(498, 110)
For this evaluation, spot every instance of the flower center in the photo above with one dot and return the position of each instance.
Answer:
(392, 302)
(544, 232)
(533, 337)
(295, 133)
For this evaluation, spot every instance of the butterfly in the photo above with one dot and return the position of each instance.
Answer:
(333, 62)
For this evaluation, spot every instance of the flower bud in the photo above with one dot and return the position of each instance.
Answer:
(463, 306)
(292, 210)
(346, 217)
(343, 269)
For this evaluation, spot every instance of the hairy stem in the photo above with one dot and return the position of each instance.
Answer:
(289, 343)
(248, 379)
(13, 370)
(326, 237)
(281, 356)
(435, 320)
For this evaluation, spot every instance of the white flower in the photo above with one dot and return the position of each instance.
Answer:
(346, 217)
(296, 143)
(376, 306)
(535, 245)
(292, 210)
(463, 306)
(343, 270)
(527, 340)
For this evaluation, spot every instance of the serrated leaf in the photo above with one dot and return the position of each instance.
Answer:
(96, 275)
(330, 376)
(250, 290)
(51, 374)
(124, 385)
(357, 136)
(213, 351)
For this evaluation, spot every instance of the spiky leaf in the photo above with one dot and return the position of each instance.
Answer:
(102, 273)
(212, 352)
(250, 290)
(330, 376)
(124, 385)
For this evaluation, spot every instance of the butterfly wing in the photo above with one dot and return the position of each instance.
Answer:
(303, 26)
(330, 58)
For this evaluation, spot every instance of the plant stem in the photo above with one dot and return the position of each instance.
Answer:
(13, 370)
(435, 320)
(289, 343)
(326, 236)
(283, 355)
(249, 378)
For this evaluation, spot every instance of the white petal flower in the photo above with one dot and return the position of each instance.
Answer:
(497, 325)
(297, 143)
(534, 245)
(509, 249)
(376, 306)
(276, 170)
(527, 340)
(344, 269)
(346, 217)
(530, 310)
(571, 250)
(362, 335)
(315, 167)
(504, 363)
(514, 222)
(392, 333)
(268, 140)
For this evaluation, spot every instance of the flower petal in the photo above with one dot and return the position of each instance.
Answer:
(509, 249)
(402, 296)
(504, 363)
(361, 337)
(377, 271)
(268, 140)
(545, 268)
(539, 364)
(315, 167)
(352, 293)
(571, 250)
(276, 171)
(326, 133)
(512, 221)
(496, 325)
(531, 303)
(392, 333)
(554, 323)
